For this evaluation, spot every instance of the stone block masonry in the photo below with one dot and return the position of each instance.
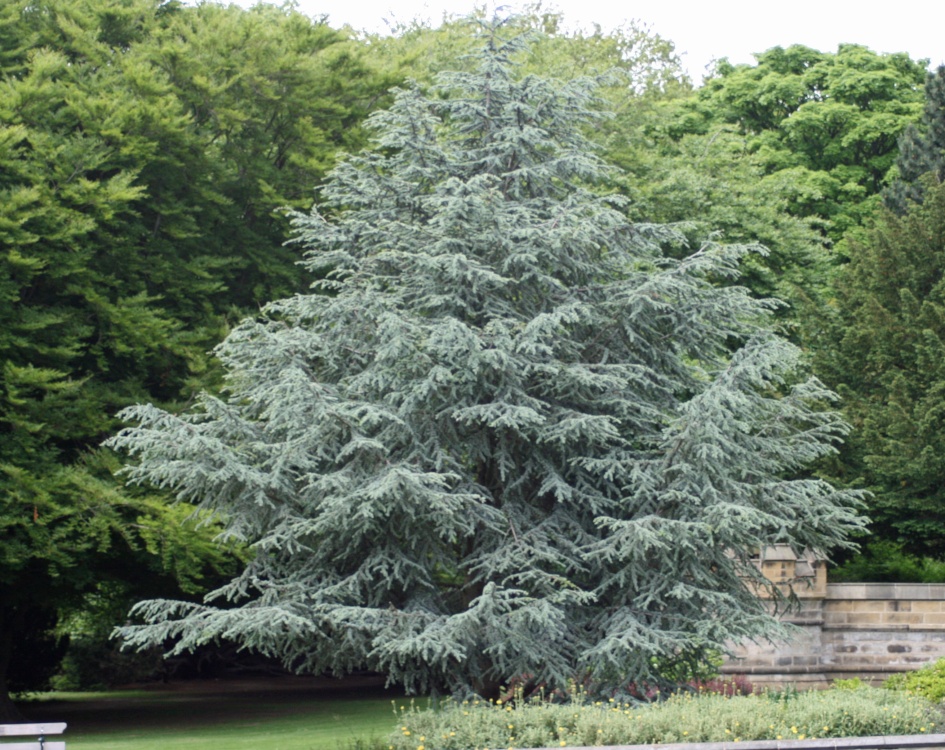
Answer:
(844, 630)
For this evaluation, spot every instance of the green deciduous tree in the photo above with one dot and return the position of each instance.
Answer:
(879, 342)
(828, 122)
(789, 153)
(505, 435)
(649, 62)
(271, 98)
(716, 186)
(144, 150)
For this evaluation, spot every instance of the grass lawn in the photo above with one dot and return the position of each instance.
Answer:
(284, 714)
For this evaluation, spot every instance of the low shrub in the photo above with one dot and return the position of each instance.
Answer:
(888, 562)
(684, 717)
(854, 683)
(927, 682)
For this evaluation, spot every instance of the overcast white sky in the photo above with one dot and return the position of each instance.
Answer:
(706, 29)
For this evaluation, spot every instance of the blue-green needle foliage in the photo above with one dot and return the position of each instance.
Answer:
(503, 435)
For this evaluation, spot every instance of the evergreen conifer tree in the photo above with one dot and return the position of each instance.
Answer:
(505, 435)
(921, 149)
(884, 351)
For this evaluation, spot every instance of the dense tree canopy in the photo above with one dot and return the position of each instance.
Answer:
(647, 62)
(505, 435)
(883, 348)
(826, 123)
(145, 148)
(878, 338)
(713, 186)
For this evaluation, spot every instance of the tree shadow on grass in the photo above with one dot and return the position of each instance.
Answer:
(205, 704)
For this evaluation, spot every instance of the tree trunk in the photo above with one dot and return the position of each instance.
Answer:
(488, 688)
(9, 713)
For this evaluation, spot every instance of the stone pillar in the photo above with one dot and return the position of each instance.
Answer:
(798, 661)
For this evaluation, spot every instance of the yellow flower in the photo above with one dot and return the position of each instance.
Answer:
(826, 729)
(794, 729)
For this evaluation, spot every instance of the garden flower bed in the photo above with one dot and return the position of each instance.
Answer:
(682, 718)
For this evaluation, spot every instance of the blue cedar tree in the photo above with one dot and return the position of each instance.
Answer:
(504, 435)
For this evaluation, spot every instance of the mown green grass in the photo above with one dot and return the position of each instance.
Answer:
(297, 716)
(270, 719)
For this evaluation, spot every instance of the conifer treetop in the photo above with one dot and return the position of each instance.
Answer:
(921, 149)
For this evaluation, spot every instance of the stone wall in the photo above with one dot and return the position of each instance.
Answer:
(877, 629)
(845, 630)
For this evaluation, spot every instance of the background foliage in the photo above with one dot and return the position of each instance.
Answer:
(144, 150)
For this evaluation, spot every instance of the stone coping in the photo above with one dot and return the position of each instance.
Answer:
(918, 591)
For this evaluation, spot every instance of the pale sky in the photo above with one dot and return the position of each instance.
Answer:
(704, 29)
